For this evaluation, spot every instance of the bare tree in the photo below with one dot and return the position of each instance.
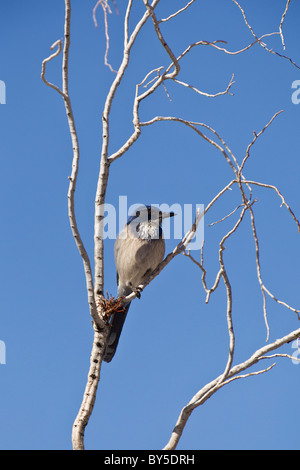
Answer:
(100, 307)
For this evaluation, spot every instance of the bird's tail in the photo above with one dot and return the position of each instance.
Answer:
(117, 323)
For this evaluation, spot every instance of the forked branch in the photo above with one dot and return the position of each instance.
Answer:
(208, 390)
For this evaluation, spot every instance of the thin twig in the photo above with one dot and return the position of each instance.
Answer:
(293, 358)
(250, 374)
(281, 23)
(229, 293)
(256, 136)
(106, 8)
(177, 12)
(193, 125)
(55, 54)
(209, 95)
(258, 268)
(280, 302)
(226, 216)
(262, 43)
(283, 202)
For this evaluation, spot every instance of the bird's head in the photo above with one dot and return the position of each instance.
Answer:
(146, 222)
(150, 214)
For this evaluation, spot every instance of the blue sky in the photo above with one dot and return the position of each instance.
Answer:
(172, 343)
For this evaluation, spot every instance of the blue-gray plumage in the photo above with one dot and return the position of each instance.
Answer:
(139, 249)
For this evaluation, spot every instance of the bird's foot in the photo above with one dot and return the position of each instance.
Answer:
(108, 306)
(137, 291)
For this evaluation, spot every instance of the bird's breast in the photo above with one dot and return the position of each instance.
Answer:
(136, 256)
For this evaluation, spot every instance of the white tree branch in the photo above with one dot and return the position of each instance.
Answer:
(262, 43)
(177, 12)
(90, 392)
(281, 22)
(209, 95)
(208, 390)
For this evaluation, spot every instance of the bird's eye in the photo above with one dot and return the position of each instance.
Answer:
(137, 213)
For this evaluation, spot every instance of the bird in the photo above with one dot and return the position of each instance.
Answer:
(139, 249)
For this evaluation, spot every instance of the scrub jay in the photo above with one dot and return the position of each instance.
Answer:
(139, 249)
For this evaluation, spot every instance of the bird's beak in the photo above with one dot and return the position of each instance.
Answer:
(168, 214)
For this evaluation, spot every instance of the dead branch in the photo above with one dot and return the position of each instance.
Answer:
(177, 12)
(106, 9)
(281, 23)
(211, 388)
(271, 51)
(256, 136)
(209, 95)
